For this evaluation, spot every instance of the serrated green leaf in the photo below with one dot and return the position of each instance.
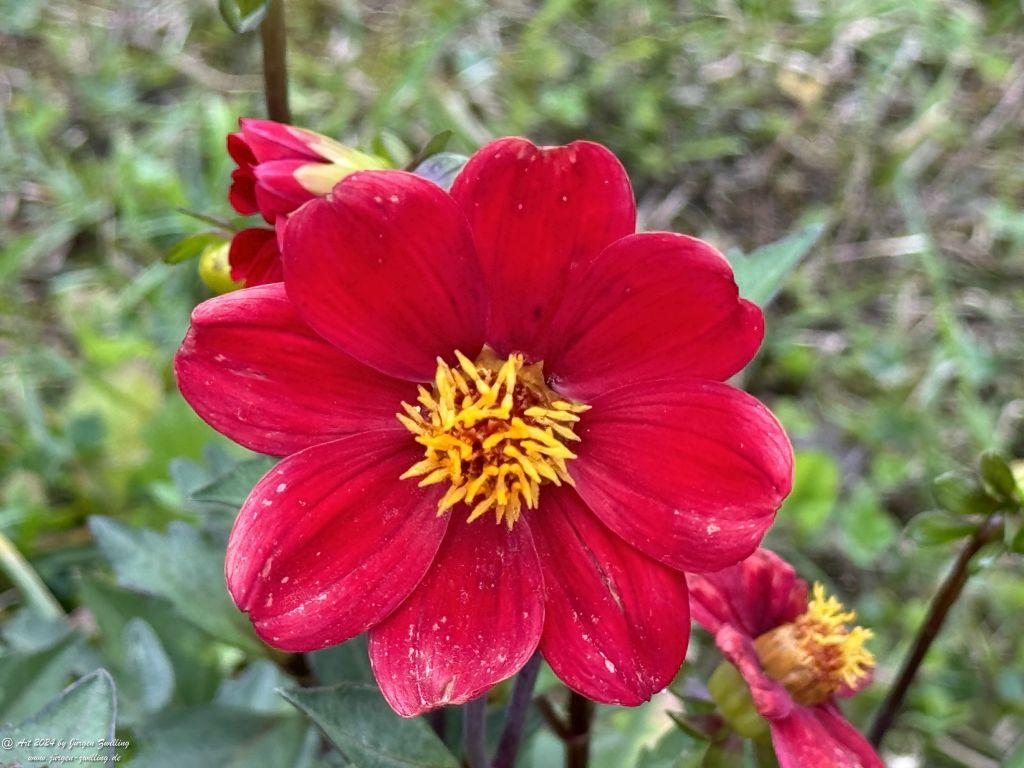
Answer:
(231, 488)
(997, 476)
(84, 711)
(243, 15)
(936, 527)
(180, 565)
(359, 722)
(192, 246)
(760, 275)
(152, 674)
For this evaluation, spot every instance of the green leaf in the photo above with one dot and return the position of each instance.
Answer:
(225, 736)
(232, 487)
(348, 662)
(761, 274)
(85, 711)
(997, 476)
(152, 674)
(28, 680)
(243, 15)
(939, 528)
(192, 246)
(677, 748)
(180, 565)
(359, 722)
(434, 145)
(958, 493)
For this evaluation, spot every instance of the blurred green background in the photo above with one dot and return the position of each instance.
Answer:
(893, 352)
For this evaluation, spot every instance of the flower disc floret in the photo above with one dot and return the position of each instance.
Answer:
(494, 431)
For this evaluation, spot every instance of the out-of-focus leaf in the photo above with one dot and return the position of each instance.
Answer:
(345, 663)
(192, 653)
(359, 722)
(153, 674)
(85, 711)
(231, 488)
(1015, 536)
(815, 489)
(677, 748)
(939, 528)
(243, 15)
(225, 736)
(761, 274)
(28, 680)
(867, 527)
(997, 476)
(192, 246)
(441, 168)
(958, 493)
(180, 565)
(434, 145)
(256, 690)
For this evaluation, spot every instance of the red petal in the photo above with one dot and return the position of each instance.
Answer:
(255, 372)
(821, 738)
(759, 594)
(255, 258)
(771, 699)
(330, 541)
(384, 267)
(652, 306)
(616, 623)
(690, 472)
(277, 190)
(242, 193)
(534, 211)
(269, 140)
(473, 621)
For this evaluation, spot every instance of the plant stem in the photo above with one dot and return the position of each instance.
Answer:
(474, 735)
(577, 747)
(24, 577)
(944, 599)
(515, 714)
(275, 66)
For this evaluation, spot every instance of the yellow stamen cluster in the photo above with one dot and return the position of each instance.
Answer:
(819, 652)
(494, 431)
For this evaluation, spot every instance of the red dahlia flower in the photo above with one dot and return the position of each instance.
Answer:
(564, 445)
(281, 166)
(796, 655)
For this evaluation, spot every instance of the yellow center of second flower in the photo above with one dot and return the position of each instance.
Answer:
(493, 431)
(818, 653)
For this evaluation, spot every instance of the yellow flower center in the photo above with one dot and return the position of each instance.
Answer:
(494, 431)
(818, 653)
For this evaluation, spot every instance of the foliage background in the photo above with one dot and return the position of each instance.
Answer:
(893, 353)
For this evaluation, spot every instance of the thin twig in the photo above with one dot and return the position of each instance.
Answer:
(551, 717)
(275, 65)
(944, 599)
(474, 734)
(515, 714)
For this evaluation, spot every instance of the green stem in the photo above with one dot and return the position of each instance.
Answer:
(275, 65)
(24, 577)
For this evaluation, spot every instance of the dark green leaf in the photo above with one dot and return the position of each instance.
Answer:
(243, 15)
(180, 565)
(231, 488)
(225, 736)
(997, 476)
(359, 722)
(191, 247)
(83, 711)
(939, 528)
(29, 680)
(434, 145)
(345, 663)
(761, 274)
